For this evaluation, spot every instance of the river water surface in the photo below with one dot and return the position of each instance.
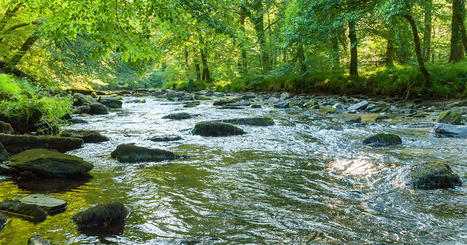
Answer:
(305, 180)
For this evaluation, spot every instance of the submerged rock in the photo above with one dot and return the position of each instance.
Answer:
(178, 116)
(104, 218)
(435, 175)
(256, 106)
(165, 138)
(5, 128)
(216, 129)
(282, 105)
(88, 136)
(131, 154)
(38, 240)
(379, 140)
(3, 221)
(18, 143)
(111, 102)
(450, 117)
(49, 164)
(451, 131)
(26, 211)
(251, 121)
(98, 109)
(49, 204)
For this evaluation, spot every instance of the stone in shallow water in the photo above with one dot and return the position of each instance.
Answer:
(354, 119)
(165, 138)
(282, 105)
(451, 131)
(104, 218)
(430, 176)
(216, 129)
(38, 240)
(3, 221)
(359, 106)
(26, 211)
(111, 102)
(98, 109)
(88, 136)
(449, 117)
(131, 154)
(251, 121)
(178, 116)
(50, 164)
(379, 140)
(49, 204)
(18, 143)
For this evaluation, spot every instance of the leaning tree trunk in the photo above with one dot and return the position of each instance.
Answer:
(427, 32)
(418, 50)
(457, 52)
(204, 60)
(353, 49)
(243, 63)
(9, 13)
(22, 51)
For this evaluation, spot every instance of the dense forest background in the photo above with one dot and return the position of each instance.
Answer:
(394, 47)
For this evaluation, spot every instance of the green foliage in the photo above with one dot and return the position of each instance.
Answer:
(183, 85)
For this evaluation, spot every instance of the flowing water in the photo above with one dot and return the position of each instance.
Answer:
(305, 180)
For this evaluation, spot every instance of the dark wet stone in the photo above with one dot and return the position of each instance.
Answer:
(111, 102)
(49, 164)
(178, 116)
(26, 211)
(256, 106)
(380, 140)
(435, 175)
(88, 136)
(226, 102)
(131, 154)
(84, 109)
(381, 118)
(102, 219)
(49, 204)
(3, 153)
(450, 117)
(216, 129)
(18, 143)
(78, 121)
(5, 128)
(359, 106)
(355, 119)
(38, 240)
(98, 109)
(165, 138)
(48, 185)
(3, 221)
(191, 104)
(81, 99)
(451, 131)
(253, 121)
(282, 105)
(230, 107)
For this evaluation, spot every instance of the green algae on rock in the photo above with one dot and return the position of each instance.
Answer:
(217, 129)
(450, 117)
(436, 175)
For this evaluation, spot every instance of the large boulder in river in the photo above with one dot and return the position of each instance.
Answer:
(49, 164)
(18, 143)
(380, 140)
(88, 136)
(131, 153)
(3, 221)
(98, 109)
(26, 211)
(450, 117)
(178, 116)
(216, 129)
(38, 240)
(5, 128)
(104, 218)
(451, 131)
(435, 175)
(111, 102)
(251, 121)
(81, 99)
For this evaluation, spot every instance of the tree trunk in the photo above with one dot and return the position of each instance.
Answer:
(198, 71)
(187, 63)
(204, 60)
(460, 22)
(427, 32)
(22, 51)
(301, 58)
(457, 52)
(390, 52)
(9, 13)
(258, 22)
(353, 49)
(243, 64)
(418, 50)
(335, 50)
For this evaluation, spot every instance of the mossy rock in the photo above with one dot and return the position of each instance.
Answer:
(98, 109)
(192, 104)
(103, 218)
(49, 164)
(217, 129)
(88, 136)
(3, 153)
(24, 122)
(131, 154)
(430, 176)
(84, 109)
(178, 116)
(5, 128)
(224, 102)
(28, 212)
(81, 99)
(165, 138)
(381, 140)
(111, 102)
(450, 117)
(252, 121)
(18, 143)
